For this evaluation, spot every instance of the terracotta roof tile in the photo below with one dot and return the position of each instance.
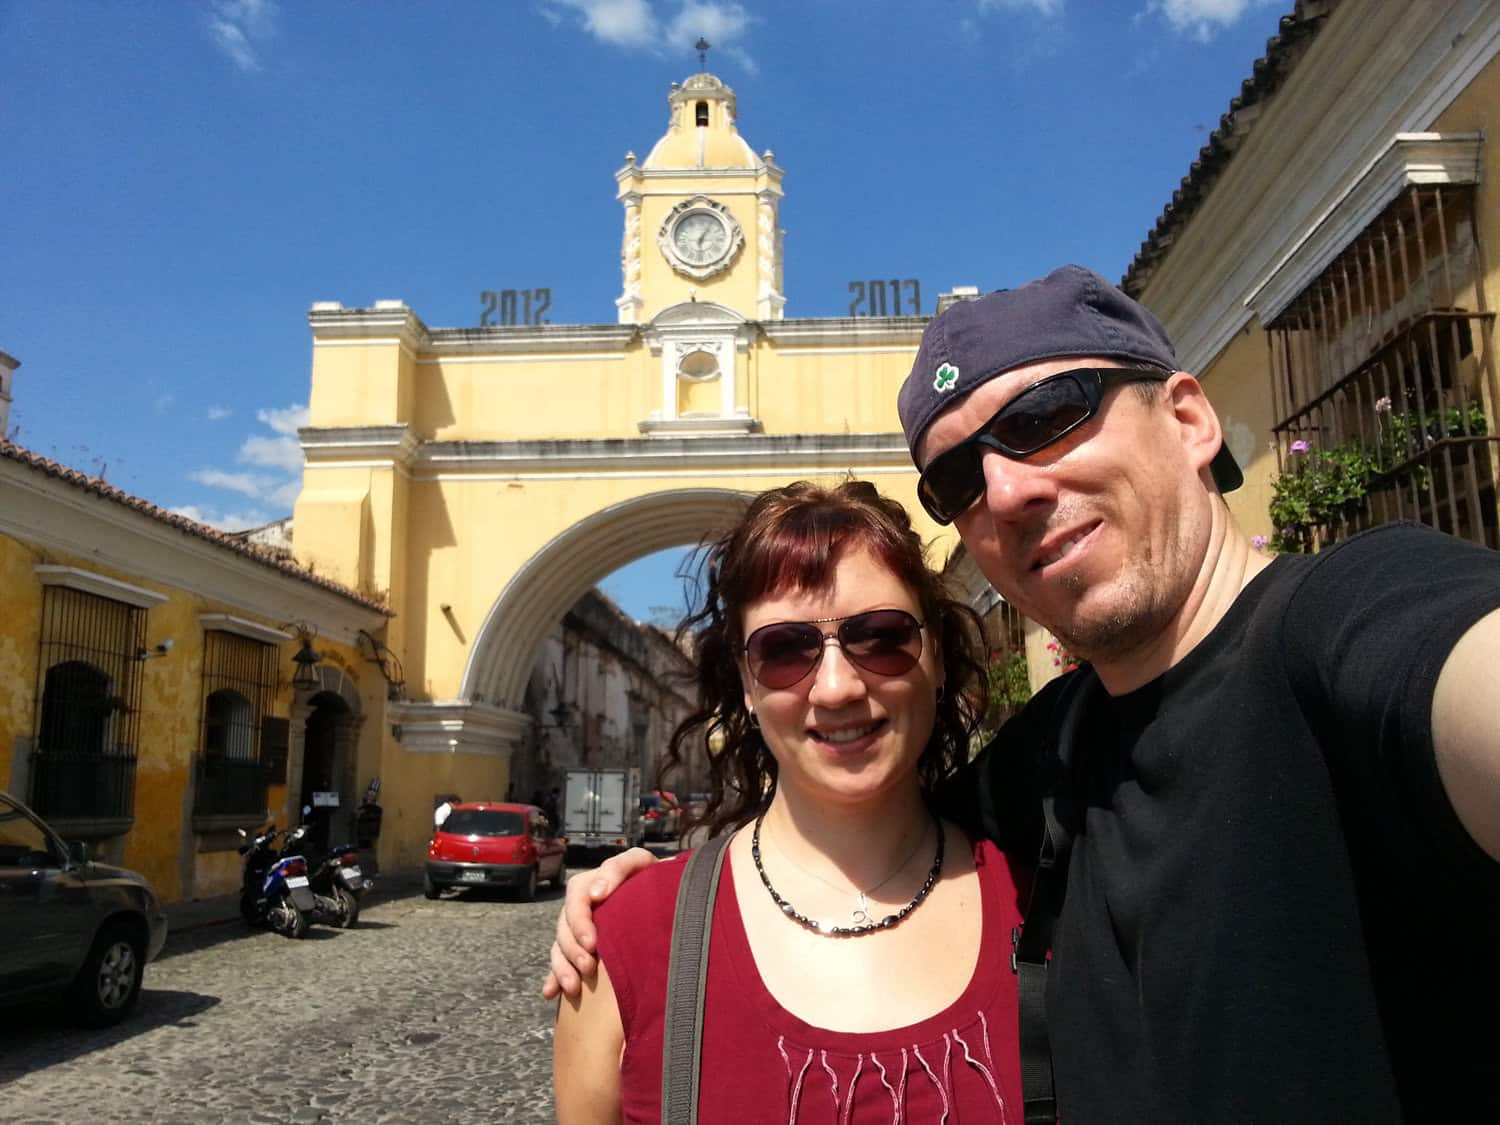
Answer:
(1295, 32)
(101, 488)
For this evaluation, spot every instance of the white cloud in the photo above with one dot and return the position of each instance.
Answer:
(1201, 18)
(637, 24)
(282, 452)
(239, 26)
(273, 453)
(164, 402)
(253, 485)
(288, 420)
(625, 23)
(224, 521)
(278, 453)
(1040, 7)
(218, 413)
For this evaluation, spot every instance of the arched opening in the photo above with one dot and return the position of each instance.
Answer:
(74, 773)
(563, 570)
(76, 709)
(230, 775)
(228, 725)
(327, 733)
(700, 112)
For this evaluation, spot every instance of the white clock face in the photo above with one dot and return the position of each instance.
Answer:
(700, 237)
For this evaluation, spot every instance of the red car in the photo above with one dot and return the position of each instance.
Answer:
(489, 844)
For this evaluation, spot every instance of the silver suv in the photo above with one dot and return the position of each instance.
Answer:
(69, 926)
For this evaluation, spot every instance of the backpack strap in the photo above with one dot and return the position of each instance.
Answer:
(1030, 947)
(687, 974)
(1031, 943)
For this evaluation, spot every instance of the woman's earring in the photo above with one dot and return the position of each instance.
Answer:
(754, 721)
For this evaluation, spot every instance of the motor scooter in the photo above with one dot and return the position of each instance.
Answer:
(337, 882)
(274, 887)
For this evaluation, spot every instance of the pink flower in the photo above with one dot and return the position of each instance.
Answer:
(1383, 405)
(1259, 542)
(1300, 446)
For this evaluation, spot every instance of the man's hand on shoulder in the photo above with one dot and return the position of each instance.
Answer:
(1465, 734)
(573, 951)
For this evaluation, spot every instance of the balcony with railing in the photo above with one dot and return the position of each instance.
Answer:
(1385, 385)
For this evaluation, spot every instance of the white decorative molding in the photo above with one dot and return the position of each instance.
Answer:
(848, 332)
(677, 332)
(228, 623)
(740, 423)
(629, 302)
(389, 445)
(525, 460)
(458, 727)
(717, 212)
(388, 321)
(1375, 71)
(90, 583)
(1411, 158)
(527, 343)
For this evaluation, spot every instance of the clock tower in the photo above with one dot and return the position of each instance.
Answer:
(702, 214)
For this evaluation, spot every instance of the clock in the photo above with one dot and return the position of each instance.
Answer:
(700, 238)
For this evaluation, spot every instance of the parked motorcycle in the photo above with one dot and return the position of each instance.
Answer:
(274, 886)
(337, 882)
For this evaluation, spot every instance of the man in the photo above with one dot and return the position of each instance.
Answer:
(1279, 782)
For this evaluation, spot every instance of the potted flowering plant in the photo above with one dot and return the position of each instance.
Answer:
(1318, 489)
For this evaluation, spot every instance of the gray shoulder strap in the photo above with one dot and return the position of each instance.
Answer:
(687, 973)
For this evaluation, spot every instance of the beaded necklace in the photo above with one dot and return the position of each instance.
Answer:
(826, 929)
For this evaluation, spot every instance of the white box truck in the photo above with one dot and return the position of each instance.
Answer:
(601, 809)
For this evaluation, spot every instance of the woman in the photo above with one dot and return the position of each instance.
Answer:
(841, 679)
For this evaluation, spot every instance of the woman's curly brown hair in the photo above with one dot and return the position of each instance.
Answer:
(790, 539)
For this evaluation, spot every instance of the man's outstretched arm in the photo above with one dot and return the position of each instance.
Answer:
(573, 949)
(1466, 731)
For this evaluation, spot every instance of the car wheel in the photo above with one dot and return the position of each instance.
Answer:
(109, 983)
(348, 908)
(528, 888)
(429, 888)
(287, 919)
(560, 880)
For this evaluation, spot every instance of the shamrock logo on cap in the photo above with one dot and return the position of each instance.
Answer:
(945, 378)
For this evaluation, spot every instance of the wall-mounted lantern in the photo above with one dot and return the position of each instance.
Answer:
(305, 678)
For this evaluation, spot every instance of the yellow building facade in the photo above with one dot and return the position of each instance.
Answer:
(147, 702)
(1328, 268)
(481, 479)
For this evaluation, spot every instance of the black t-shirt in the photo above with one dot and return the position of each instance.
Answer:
(1272, 913)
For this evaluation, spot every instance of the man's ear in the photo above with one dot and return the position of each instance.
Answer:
(1196, 420)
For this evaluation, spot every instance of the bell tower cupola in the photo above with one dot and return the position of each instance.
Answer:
(702, 213)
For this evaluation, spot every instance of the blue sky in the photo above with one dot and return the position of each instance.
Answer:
(184, 179)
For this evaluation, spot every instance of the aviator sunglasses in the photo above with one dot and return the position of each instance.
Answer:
(1040, 415)
(887, 642)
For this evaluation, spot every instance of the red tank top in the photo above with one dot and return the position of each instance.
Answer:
(761, 1063)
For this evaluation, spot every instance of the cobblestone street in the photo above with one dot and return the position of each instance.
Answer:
(428, 1011)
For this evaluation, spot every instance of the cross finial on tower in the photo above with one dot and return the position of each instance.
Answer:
(702, 47)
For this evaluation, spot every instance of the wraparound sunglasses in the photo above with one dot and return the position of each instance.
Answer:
(887, 642)
(1040, 415)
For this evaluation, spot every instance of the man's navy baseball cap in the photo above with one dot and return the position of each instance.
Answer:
(1070, 312)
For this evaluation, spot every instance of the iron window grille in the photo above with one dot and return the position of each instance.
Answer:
(1386, 354)
(239, 683)
(89, 684)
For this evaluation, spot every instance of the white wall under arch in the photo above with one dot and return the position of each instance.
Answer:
(541, 591)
